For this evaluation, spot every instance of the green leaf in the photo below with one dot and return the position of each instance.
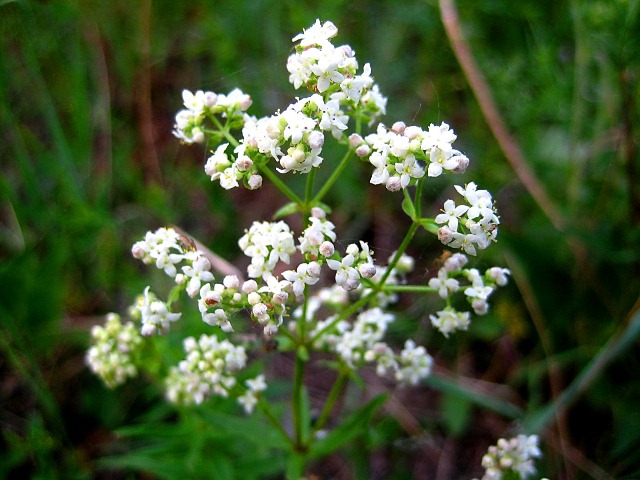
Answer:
(429, 225)
(286, 210)
(456, 411)
(408, 208)
(447, 385)
(353, 426)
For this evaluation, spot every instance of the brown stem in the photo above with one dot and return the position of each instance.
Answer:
(145, 111)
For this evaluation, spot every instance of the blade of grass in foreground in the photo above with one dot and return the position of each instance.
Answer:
(447, 385)
(616, 345)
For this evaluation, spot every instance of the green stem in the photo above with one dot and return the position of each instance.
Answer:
(333, 178)
(408, 288)
(296, 403)
(403, 247)
(264, 409)
(337, 388)
(286, 191)
(224, 130)
(418, 198)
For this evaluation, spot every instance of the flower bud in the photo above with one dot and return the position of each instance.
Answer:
(259, 310)
(317, 212)
(367, 270)
(287, 162)
(412, 132)
(398, 128)
(351, 284)
(352, 249)
(313, 269)
(394, 184)
(455, 262)
(249, 286)
(210, 99)
(363, 150)
(244, 163)
(463, 163)
(244, 102)
(480, 306)
(445, 234)
(355, 140)
(138, 251)
(254, 298)
(280, 298)
(315, 139)
(255, 182)
(197, 135)
(327, 249)
(270, 330)
(231, 281)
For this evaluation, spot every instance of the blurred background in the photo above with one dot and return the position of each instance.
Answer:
(88, 92)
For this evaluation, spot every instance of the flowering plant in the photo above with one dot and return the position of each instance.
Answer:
(306, 293)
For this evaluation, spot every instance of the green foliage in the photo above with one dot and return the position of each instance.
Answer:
(87, 97)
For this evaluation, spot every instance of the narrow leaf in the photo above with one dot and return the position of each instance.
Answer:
(353, 426)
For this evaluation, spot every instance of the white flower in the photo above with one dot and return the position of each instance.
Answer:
(449, 320)
(197, 272)
(381, 173)
(317, 34)
(442, 160)
(305, 274)
(440, 137)
(408, 169)
(443, 284)
(451, 214)
(346, 276)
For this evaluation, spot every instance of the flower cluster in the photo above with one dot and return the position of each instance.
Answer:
(335, 300)
(469, 226)
(207, 370)
(360, 342)
(167, 249)
(477, 291)
(267, 243)
(189, 126)
(513, 455)
(112, 356)
(153, 313)
(322, 67)
(400, 153)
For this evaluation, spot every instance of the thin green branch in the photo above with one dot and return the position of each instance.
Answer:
(333, 178)
(296, 402)
(286, 191)
(336, 389)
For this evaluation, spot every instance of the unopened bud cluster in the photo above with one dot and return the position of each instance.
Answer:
(115, 348)
(508, 456)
